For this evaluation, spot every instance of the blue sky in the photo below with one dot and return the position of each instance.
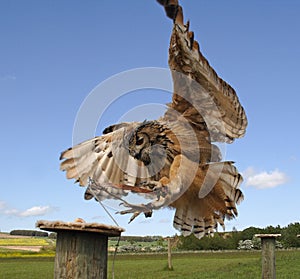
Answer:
(54, 53)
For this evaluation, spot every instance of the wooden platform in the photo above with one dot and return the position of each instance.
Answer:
(81, 248)
(56, 226)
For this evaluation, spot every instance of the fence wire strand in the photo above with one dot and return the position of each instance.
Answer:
(91, 181)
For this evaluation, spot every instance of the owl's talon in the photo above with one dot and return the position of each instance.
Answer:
(134, 215)
(136, 210)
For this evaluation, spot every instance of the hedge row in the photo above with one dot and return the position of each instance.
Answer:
(29, 233)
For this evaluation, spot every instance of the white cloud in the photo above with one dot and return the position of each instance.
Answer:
(36, 211)
(33, 211)
(262, 180)
(248, 172)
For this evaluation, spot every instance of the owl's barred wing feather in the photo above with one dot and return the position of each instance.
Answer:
(201, 216)
(106, 161)
(195, 214)
(199, 94)
(172, 160)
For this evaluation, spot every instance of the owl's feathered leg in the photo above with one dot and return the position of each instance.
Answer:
(137, 209)
(164, 198)
(166, 189)
(161, 192)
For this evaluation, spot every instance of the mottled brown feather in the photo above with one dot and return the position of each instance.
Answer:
(137, 157)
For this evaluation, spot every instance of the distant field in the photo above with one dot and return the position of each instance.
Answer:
(225, 265)
(7, 235)
(16, 246)
(24, 241)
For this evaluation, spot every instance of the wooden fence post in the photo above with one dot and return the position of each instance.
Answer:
(81, 248)
(268, 255)
(170, 253)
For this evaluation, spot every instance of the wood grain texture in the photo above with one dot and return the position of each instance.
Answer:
(80, 255)
(81, 248)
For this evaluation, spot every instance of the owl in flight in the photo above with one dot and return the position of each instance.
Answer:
(173, 161)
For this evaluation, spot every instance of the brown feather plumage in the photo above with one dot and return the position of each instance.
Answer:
(171, 161)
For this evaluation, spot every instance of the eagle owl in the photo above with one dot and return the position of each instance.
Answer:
(173, 161)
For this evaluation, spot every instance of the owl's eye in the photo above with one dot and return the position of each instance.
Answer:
(140, 141)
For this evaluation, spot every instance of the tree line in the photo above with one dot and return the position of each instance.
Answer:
(233, 240)
(33, 233)
(220, 241)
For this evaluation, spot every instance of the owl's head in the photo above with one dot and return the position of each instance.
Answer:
(146, 144)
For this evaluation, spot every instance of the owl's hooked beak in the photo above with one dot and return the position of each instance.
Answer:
(134, 154)
(138, 155)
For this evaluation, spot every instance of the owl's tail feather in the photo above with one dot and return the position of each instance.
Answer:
(187, 223)
(201, 215)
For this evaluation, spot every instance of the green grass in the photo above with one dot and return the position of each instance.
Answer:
(26, 268)
(240, 265)
(191, 265)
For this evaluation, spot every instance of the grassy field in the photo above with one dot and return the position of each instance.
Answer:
(26, 268)
(186, 265)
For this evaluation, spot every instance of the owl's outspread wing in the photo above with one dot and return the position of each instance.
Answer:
(200, 95)
(113, 162)
(172, 161)
(106, 161)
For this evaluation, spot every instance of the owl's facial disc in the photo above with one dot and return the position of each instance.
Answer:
(139, 147)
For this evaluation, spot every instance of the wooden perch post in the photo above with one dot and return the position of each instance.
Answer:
(268, 255)
(170, 253)
(81, 248)
(170, 241)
